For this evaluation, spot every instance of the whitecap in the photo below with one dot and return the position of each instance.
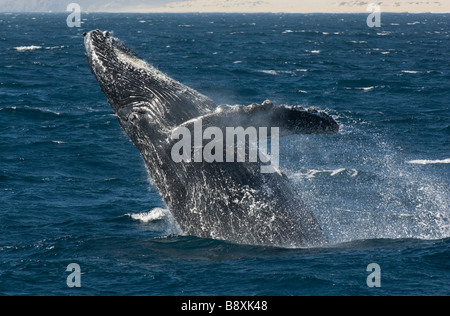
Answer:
(27, 48)
(428, 162)
(158, 219)
(365, 89)
(153, 215)
(310, 174)
(410, 71)
(270, 72)
(277, 72)
(337, 171)
(54, 47)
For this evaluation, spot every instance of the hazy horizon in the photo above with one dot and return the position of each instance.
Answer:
(227, 6)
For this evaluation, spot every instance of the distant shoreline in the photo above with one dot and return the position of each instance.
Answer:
(232, 6)
(212, 12)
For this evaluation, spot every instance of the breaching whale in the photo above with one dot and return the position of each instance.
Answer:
(235, 201)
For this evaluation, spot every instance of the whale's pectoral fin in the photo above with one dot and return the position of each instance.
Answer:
(289, 120)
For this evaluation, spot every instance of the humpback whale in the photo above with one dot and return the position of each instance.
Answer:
(235, 201)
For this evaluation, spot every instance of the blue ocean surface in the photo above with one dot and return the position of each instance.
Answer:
(73, 188)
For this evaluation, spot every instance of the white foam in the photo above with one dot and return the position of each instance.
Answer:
(365, 89)
(54, 47)
(276, 72)
(428, 162)
(337, 171)
(153, 215)
(27, 48)
(270, 72)
(158, 220)
(313, 172)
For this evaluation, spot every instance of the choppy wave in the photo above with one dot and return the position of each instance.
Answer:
(312, 173)
(159, 219)
(410, 71)
(150, 216)
(27, 48)
(36, 47)
(429, 162)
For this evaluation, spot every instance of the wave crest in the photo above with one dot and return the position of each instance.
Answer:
(428, 162)
(158, 219)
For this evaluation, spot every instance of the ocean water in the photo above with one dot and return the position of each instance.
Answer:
(73, 189)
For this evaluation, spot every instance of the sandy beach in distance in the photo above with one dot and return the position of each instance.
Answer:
(304, 6)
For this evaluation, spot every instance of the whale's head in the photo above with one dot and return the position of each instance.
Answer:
(119, 70)
(135, 88)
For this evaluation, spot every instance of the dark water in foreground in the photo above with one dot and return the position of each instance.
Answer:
(73, 189)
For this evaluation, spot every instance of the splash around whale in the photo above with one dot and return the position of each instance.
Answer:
(209, 198)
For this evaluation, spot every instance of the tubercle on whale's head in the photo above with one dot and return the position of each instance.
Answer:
(104, 63)
(100, 52)
(118, 70)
